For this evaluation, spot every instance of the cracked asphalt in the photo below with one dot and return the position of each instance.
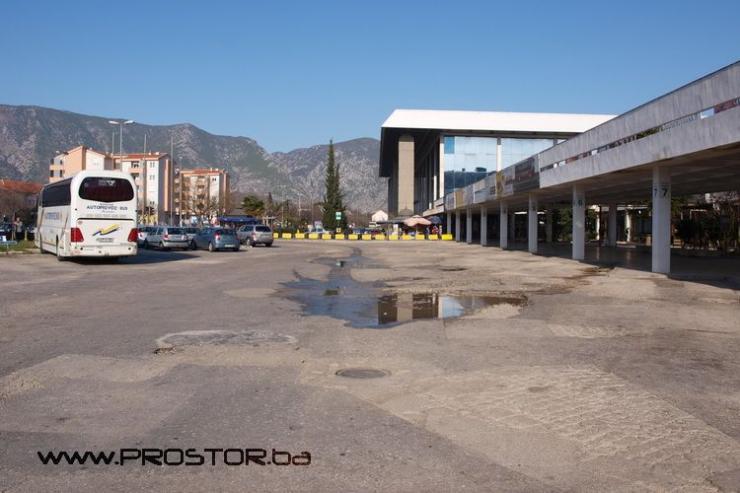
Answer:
(583, 377)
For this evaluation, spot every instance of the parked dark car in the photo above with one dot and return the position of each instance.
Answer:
(213, 239)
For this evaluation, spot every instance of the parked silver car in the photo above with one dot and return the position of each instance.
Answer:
(255, 234)
(191, 232)
(164, 237)
(213, 239)
(142, 232)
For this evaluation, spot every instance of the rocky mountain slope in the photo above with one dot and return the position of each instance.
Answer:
(30, 136)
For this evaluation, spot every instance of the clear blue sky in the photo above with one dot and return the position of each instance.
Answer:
(293, 74)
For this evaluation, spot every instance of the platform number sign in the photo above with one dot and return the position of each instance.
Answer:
(661, 191)
(338, 215)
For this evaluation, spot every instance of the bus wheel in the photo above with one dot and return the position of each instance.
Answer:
(59, 252)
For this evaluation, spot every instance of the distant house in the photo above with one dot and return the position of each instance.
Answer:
(17, 198)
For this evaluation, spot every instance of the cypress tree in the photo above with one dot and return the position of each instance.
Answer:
(333, 202)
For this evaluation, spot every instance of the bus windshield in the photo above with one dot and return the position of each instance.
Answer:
(106, 189)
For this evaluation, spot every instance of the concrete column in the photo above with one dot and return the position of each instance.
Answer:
(469, 226)
(512, 226)
(483, 226)
(611, 227)
(661, 220)
(532, 223)
(458, 226)
(579, 223)
(503, 226)
(627, 225)
(441, 170)
(598, 225)
(449, 223)
(548, 226)
(405, 175)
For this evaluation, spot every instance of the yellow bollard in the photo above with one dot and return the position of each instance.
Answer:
(276, 235)
(354, 237)
(339, 236)
(286, 236)
(313, 236)
(300, 236)
(447, 237)
(367, 237)
(407, 237)
(420, 237)
(393, 237)
(326, 236)
(433, 237)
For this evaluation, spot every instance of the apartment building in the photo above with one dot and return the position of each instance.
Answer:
(203, 192)
(154, 175)
(68, 163)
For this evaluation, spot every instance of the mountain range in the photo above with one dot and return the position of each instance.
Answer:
(31, 135)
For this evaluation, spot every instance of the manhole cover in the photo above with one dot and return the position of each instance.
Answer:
(362, 373)
(221, 337)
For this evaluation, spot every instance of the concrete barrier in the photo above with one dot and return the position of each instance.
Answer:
(364, 237)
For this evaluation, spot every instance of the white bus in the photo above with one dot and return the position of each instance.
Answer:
(91, 214)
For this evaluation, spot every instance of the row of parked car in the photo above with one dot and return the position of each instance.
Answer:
(211, 238)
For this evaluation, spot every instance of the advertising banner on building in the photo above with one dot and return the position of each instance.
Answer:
(491, 186)
(526, 176)
(505, 182)
(480, 191)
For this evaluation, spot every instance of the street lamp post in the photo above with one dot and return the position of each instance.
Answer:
(120, 136)
(120, 154)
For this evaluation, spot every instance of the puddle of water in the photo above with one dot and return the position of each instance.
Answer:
(368, 305)
(404, 307)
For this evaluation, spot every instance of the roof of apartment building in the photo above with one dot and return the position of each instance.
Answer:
(142, 155)
(203, 171)
(84, 148)
(20, 186)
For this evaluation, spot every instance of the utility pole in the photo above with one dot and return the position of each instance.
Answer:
(171, 178)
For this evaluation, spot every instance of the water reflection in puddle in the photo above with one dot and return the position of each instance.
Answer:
(367, 305)
(404, 307)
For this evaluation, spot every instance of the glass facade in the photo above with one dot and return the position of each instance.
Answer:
(469, 159)
(515, 150)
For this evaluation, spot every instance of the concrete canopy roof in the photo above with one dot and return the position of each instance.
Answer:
(426, 124)
(494, 121)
